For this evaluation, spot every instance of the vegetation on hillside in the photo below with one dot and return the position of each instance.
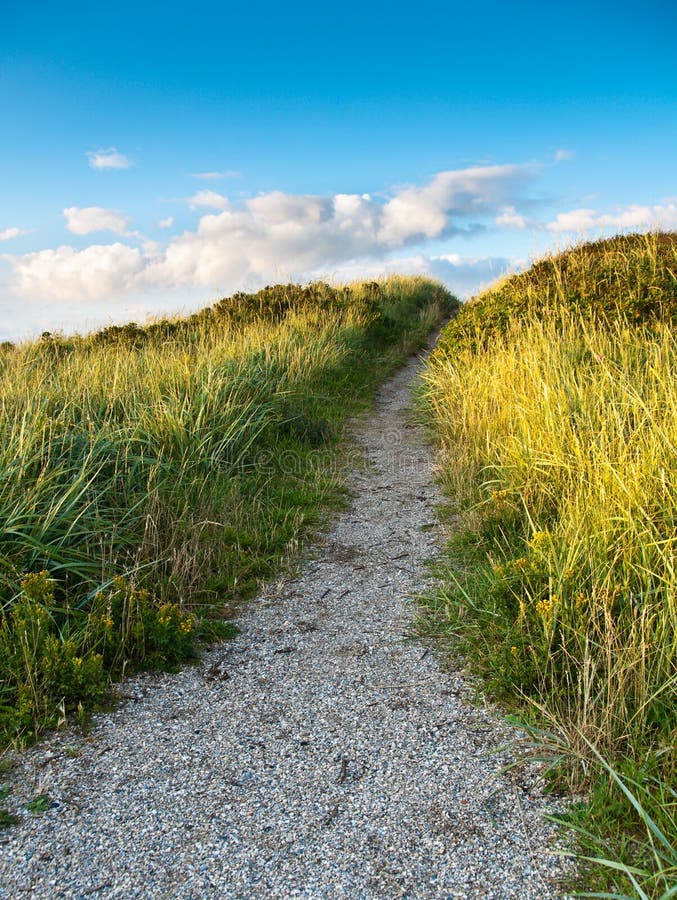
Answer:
(554, 397)
(632, 278)
(151, 476)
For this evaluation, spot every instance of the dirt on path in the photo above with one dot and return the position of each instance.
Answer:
(319, 754)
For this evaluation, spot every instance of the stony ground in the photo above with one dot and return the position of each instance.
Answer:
(320, 754)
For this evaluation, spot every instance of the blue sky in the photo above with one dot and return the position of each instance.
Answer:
(153, 159)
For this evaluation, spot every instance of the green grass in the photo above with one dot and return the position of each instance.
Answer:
(150, 477)
(554, 399)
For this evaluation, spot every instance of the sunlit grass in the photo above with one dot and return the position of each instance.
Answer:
(558, 429)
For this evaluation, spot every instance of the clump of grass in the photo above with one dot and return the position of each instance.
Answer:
(557, 416)
(6, 819)
(39, 804)
(151, 476)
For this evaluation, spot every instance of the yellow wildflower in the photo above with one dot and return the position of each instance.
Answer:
(540, 539)
(545, 609)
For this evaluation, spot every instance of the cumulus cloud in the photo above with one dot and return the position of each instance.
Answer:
(10, 233)
(427, 211)
(635, 216)
(216, 176)
(209, 199)
(86, 219)
(166, 223)
(576, 220)
(510, 218)
(108, 159)
(68, 274)
(278, 236)
(630, 217)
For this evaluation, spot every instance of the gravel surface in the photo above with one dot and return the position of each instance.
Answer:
(319, 754)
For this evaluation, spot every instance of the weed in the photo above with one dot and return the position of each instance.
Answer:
(7, 819)
(39, 804)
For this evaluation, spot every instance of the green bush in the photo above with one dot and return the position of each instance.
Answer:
(46, 674)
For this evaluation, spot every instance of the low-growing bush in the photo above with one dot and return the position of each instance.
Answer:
(56, 662)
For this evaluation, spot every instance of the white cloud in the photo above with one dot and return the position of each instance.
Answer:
(561, 155)
(210, 199)
(425, 211)
(509, 218)
(576, 220)
(166, 223)
(658, 216)
(216, 176)
(277, 236)
(86, 219)
(68, 274)
(108, 159)
(635, 216)
(10, 233)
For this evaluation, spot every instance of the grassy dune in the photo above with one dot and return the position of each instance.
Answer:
(151, 476)
(554, 397)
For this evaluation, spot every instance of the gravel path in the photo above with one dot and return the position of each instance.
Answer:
(317, 755)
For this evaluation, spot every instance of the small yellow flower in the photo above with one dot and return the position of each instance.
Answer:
(540, 539)
(500, 498)
(186, 625)
(545, 608)
(514, 651)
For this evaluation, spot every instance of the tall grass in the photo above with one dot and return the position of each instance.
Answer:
(151, 476)
(558, 429)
